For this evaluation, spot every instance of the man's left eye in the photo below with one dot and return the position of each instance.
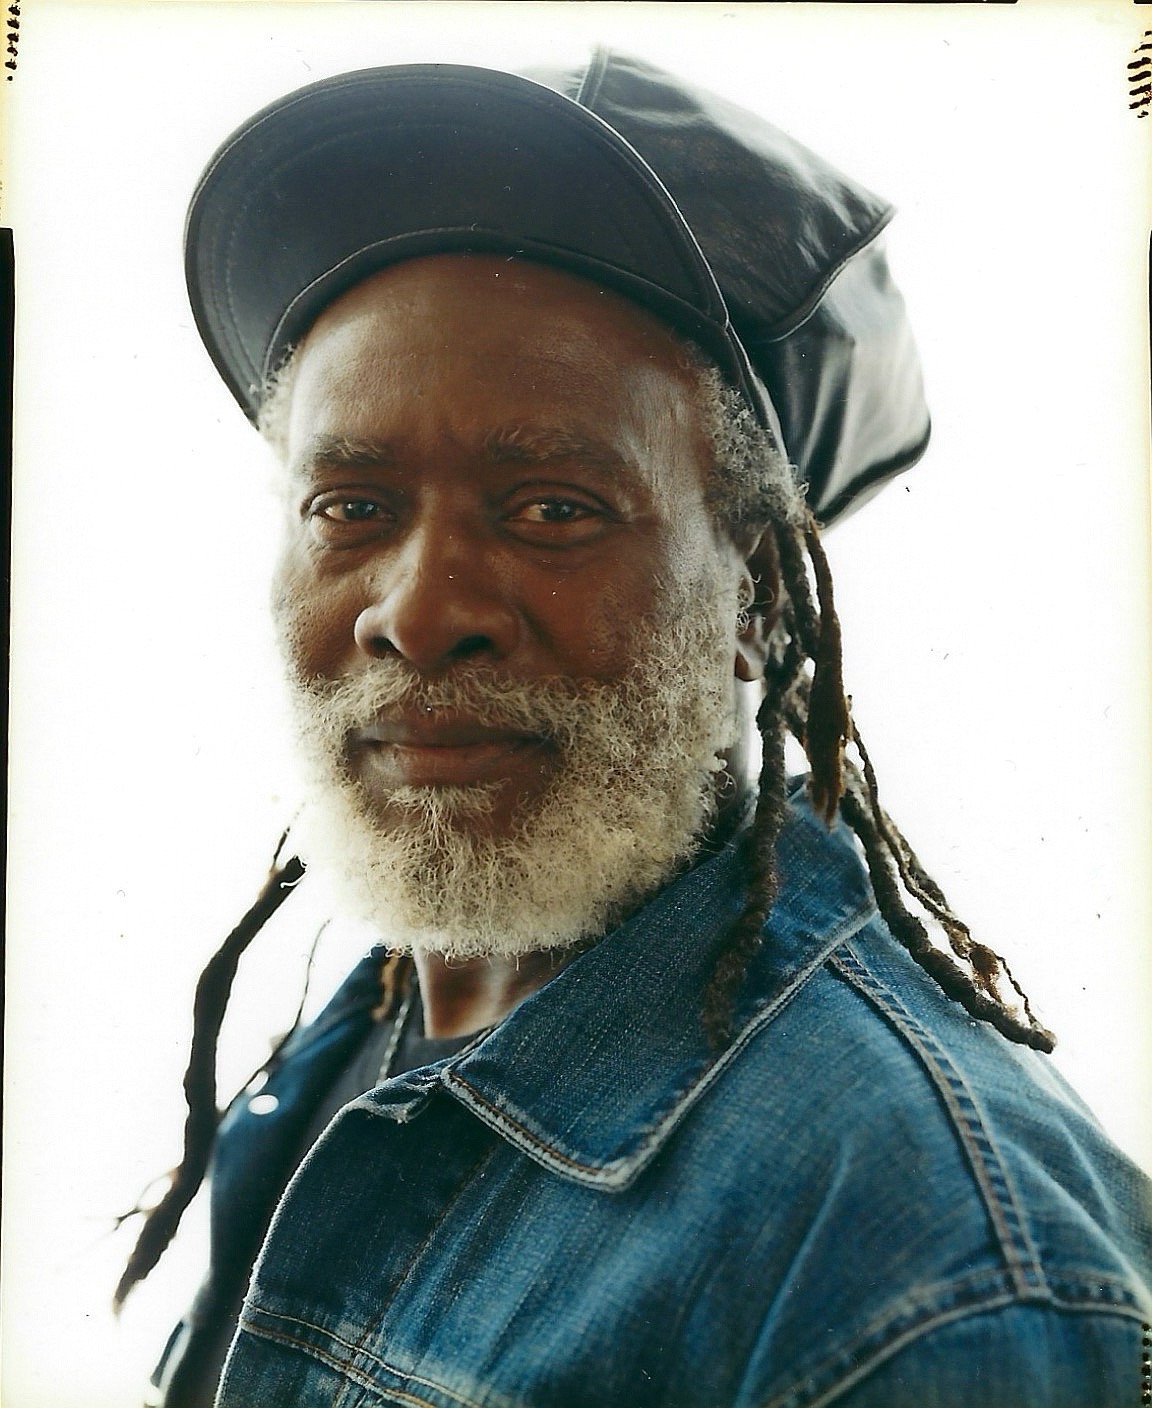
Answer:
(552, 511)
(555, 521)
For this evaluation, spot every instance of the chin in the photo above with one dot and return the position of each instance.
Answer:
(502, 869)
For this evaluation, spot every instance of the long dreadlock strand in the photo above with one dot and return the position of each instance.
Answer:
(789, 643)
(798, 625)
(814, 709)
(784, 678)
(918, 884)
(799, 607)
(759, 855)
(988, 965)
(910, 932)
(211, 999)
(273, 1057)
(828, 721)
(981, 954)
(811, 639)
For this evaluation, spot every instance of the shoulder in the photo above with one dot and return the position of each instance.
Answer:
(1008, 1356)
(951, 1199)
(1026, 1146)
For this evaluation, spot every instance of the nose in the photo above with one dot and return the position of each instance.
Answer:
(438, 601)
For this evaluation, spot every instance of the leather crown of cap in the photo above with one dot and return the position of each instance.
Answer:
(795, 246)
(329, 184)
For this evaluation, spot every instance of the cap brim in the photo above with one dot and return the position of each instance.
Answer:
(354, 173)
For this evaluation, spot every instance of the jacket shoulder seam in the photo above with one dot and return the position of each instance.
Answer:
(984, 1158)
(837, 1373)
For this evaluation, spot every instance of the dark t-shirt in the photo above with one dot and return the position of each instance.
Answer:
(371, 1065)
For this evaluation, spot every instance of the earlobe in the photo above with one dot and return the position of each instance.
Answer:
(751, 645)
(749, 664)
(759, 607)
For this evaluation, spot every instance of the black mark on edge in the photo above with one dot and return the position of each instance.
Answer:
(13, 28)
(7, 336)
(1140, 77)
(1146, 1364)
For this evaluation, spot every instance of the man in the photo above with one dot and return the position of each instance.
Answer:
(656, 1093)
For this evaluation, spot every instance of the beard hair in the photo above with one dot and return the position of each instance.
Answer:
(634, 789)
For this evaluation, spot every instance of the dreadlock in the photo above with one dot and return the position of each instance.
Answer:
(751, 491)
(212, 992)
(804, 696)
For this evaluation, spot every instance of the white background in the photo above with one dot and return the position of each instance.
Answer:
(995, 601)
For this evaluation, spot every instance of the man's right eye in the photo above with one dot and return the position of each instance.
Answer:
(347, 518)
(347, 510)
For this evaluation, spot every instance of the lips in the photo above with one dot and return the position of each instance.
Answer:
(443, 750)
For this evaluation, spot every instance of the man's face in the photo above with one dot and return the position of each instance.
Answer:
(500, 573)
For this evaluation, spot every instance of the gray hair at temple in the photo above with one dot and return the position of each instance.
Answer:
(750, 483)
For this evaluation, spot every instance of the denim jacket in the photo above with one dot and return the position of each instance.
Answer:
(865, 1198)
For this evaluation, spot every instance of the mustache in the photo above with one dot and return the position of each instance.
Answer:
(553, 707)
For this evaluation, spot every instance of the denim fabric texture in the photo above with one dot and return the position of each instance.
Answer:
(867, 1198)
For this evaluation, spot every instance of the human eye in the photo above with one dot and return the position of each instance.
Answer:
(341, 517)
(556, 519)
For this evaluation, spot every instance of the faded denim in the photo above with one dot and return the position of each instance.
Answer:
(866, 1199)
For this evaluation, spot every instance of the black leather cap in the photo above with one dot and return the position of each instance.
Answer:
(618, 172)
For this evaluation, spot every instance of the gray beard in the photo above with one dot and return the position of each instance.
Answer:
(634, 790)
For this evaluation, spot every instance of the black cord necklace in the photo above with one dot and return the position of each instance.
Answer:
(399, 1027)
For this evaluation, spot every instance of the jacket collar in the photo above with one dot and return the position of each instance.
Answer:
(591, 1073)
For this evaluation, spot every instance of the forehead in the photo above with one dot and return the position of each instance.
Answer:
(460, 346)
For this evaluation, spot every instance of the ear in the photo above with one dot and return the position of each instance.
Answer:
(761, 596)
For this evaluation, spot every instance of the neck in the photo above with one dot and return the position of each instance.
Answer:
(461, 996)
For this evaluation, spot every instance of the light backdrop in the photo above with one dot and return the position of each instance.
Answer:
(995, 600)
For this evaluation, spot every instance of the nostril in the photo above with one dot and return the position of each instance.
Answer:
(372, 642)
(471, 645)
(417, 620)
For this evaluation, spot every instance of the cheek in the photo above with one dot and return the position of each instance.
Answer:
(598, 623)
(588, 624)
(314, 622)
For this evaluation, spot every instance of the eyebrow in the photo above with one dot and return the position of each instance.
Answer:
(534, 446)
(542, 446)
(347, 452)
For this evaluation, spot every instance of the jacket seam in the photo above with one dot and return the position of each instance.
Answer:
(984, 1159)
(805, 1395)
(349, 1368)
(373, 1326)
(619, 1172)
